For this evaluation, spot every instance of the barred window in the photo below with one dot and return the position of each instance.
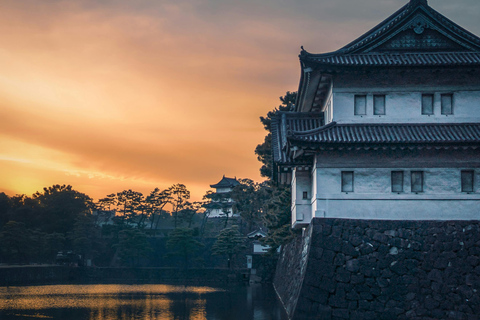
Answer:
(360, 105)
(467, 180)
(427, 104)
(417, 181)
(447, 103)
(397, 181)
(379, 104)
(347, 181)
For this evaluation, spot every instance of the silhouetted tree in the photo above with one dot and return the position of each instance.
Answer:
(58, 206)
(229, 242)
(264, 150)
(277, 210)
(86, 237)
(130, 205)
(15, 242)
(182, 243)
(277, 217)
(132, 246)
(179, 198)
(154, 204)
(249, 198)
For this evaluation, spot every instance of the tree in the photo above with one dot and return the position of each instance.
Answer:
(277, 210)
(229, 242)
(277, 217)
(180, 196)
(188, 212)
(132, 246)
(154, 204)
(182, 243)
(219, 201)
(248, 200)
(58, 207)
(105, 204)
(5, 208)
(130, 203)
(15, 242)
(85, 237)
(264, 150)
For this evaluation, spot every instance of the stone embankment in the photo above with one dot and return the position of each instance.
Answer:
(361, 269)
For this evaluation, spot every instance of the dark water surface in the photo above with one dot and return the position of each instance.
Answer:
(146, 302)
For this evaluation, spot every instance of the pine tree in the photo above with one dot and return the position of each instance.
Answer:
(229, 242)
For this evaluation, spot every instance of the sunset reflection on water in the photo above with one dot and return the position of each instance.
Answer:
(104, 302)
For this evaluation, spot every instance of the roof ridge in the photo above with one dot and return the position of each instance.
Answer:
(398, 17)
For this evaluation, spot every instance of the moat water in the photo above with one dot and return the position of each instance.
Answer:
(142, 302)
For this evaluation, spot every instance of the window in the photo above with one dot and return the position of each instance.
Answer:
(447, 103)
(427, 104)
(347, 181)
(417, 181)
(397, 181)
(467, 180)
(379, 104)
(305, 195)
(360, 105)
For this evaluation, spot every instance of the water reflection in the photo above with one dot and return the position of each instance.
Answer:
(146, 302)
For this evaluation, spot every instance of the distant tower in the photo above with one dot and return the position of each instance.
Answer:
(224, 186)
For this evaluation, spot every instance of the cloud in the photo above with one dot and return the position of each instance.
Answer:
(121, 93)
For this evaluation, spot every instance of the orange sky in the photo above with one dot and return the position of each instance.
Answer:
(135, 94)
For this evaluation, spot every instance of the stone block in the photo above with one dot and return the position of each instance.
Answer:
(328, 284)
(353, 265)
(353, 295)
(357, 279)
(337, 301)
(339, 259)
(343, 276)
(328, 256)
(324, 312)
(349, 250)
(341, 313)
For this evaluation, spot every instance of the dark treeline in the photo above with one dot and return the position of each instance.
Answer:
(162, 228)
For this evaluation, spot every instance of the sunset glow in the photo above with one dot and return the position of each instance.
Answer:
(114, 95)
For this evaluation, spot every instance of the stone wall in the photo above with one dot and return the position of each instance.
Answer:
(374, 269)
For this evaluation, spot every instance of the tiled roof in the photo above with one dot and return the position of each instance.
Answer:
(404, 14)
(464, 47)
(299, 133)
(388, 133)
(401, 59)
(225, 183)
(285, 122)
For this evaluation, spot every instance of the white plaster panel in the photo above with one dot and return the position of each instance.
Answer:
(378, 180)
(402, 106)
(402, 209)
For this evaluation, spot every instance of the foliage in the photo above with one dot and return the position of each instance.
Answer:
(15, 242)
(182, 243)
(130, 204)
(229, 242)
(277, 217)
(264, 150)
(154, 204)
(277, 209)
(218, 201)
(86, 237)
(133, 245)
(248, 200)
(58, 207)
(180, 196)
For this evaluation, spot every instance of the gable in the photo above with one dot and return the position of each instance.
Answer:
(415, 28)
(411, 40)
